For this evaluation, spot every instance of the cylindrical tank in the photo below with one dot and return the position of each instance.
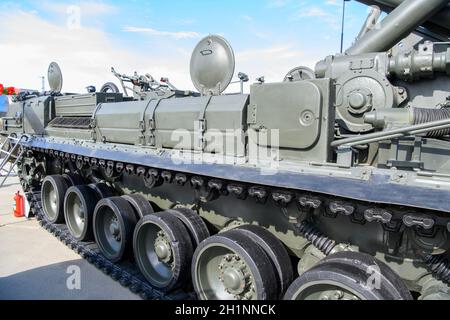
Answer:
(409, 15)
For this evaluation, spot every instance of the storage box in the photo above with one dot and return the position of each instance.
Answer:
(83, 104)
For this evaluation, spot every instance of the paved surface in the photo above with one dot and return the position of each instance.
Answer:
(34, 265)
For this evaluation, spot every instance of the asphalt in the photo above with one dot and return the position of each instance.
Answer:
(34, 265)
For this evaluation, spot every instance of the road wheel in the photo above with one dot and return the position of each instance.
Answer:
(163, 250)
(276, 252)
(54, 189)
(73, 179)
(348, 276)
(79, 206)
(114, 222)
(231, 266)
(141, 206)
(391, 283)
(102, 190)
(193, 223)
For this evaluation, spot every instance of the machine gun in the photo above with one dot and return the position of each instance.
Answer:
(142, 85)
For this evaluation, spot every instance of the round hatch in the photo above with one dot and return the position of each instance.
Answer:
(54, 77)
(212, 65)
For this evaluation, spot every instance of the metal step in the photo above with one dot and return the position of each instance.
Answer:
(13, 154)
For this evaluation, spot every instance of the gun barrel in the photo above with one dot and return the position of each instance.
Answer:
(404, 19)
(440, 20)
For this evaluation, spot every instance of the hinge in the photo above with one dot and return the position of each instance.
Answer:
(201, 125)
(151, 139)
(151, 123)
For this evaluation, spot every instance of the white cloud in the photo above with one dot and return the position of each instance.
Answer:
(185, 22)
(272, 62)
(154, 32)
(29, 43)
(313, 12)
(277, 3)
(337, 3)
(246, 17)
(332, 19)
(86, 8)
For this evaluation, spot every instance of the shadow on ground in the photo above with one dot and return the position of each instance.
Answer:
(50, 283)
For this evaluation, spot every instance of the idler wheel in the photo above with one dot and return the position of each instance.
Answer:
(163, 250)
(276, 252)
(193, 223)
(141, 206)
(114, 222)
(348, 276)
(231, 266)
(54, 189)
(79, 206)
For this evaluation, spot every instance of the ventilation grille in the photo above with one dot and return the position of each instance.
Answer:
(71, 122)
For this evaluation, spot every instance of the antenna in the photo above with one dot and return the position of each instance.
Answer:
(343, 24)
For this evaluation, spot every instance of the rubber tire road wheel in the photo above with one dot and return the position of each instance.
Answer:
(391, 283)
(102, 190)
(264, 278)
(348, 276)
(123, 213)
(88, 199)
(141, 206)
(194, 224)
(73, 179)
(109, 87)
(59, 185)
(276, 252)
(181, 247)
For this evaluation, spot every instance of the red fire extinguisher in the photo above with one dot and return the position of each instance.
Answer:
(19, 205)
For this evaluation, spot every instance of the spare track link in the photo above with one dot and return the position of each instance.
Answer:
(126, 273)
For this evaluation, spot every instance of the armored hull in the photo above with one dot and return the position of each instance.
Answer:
(286, 192)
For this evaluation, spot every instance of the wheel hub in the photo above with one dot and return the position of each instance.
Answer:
(53, 200)
(337, 295)
(80, 213)
(233, 280)
(114, 229)
(163, 249)
(235, 277)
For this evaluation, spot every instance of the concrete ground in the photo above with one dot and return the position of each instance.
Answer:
(35, 265)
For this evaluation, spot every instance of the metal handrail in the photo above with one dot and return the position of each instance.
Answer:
(393, 134)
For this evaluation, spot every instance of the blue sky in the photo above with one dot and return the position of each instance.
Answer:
(269, 37)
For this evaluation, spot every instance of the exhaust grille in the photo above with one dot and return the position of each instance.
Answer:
(71, 122)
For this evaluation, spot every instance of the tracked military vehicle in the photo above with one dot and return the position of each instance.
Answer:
(333, 184)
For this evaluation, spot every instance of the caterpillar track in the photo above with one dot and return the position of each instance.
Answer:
(125, 272)
(392, 219)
